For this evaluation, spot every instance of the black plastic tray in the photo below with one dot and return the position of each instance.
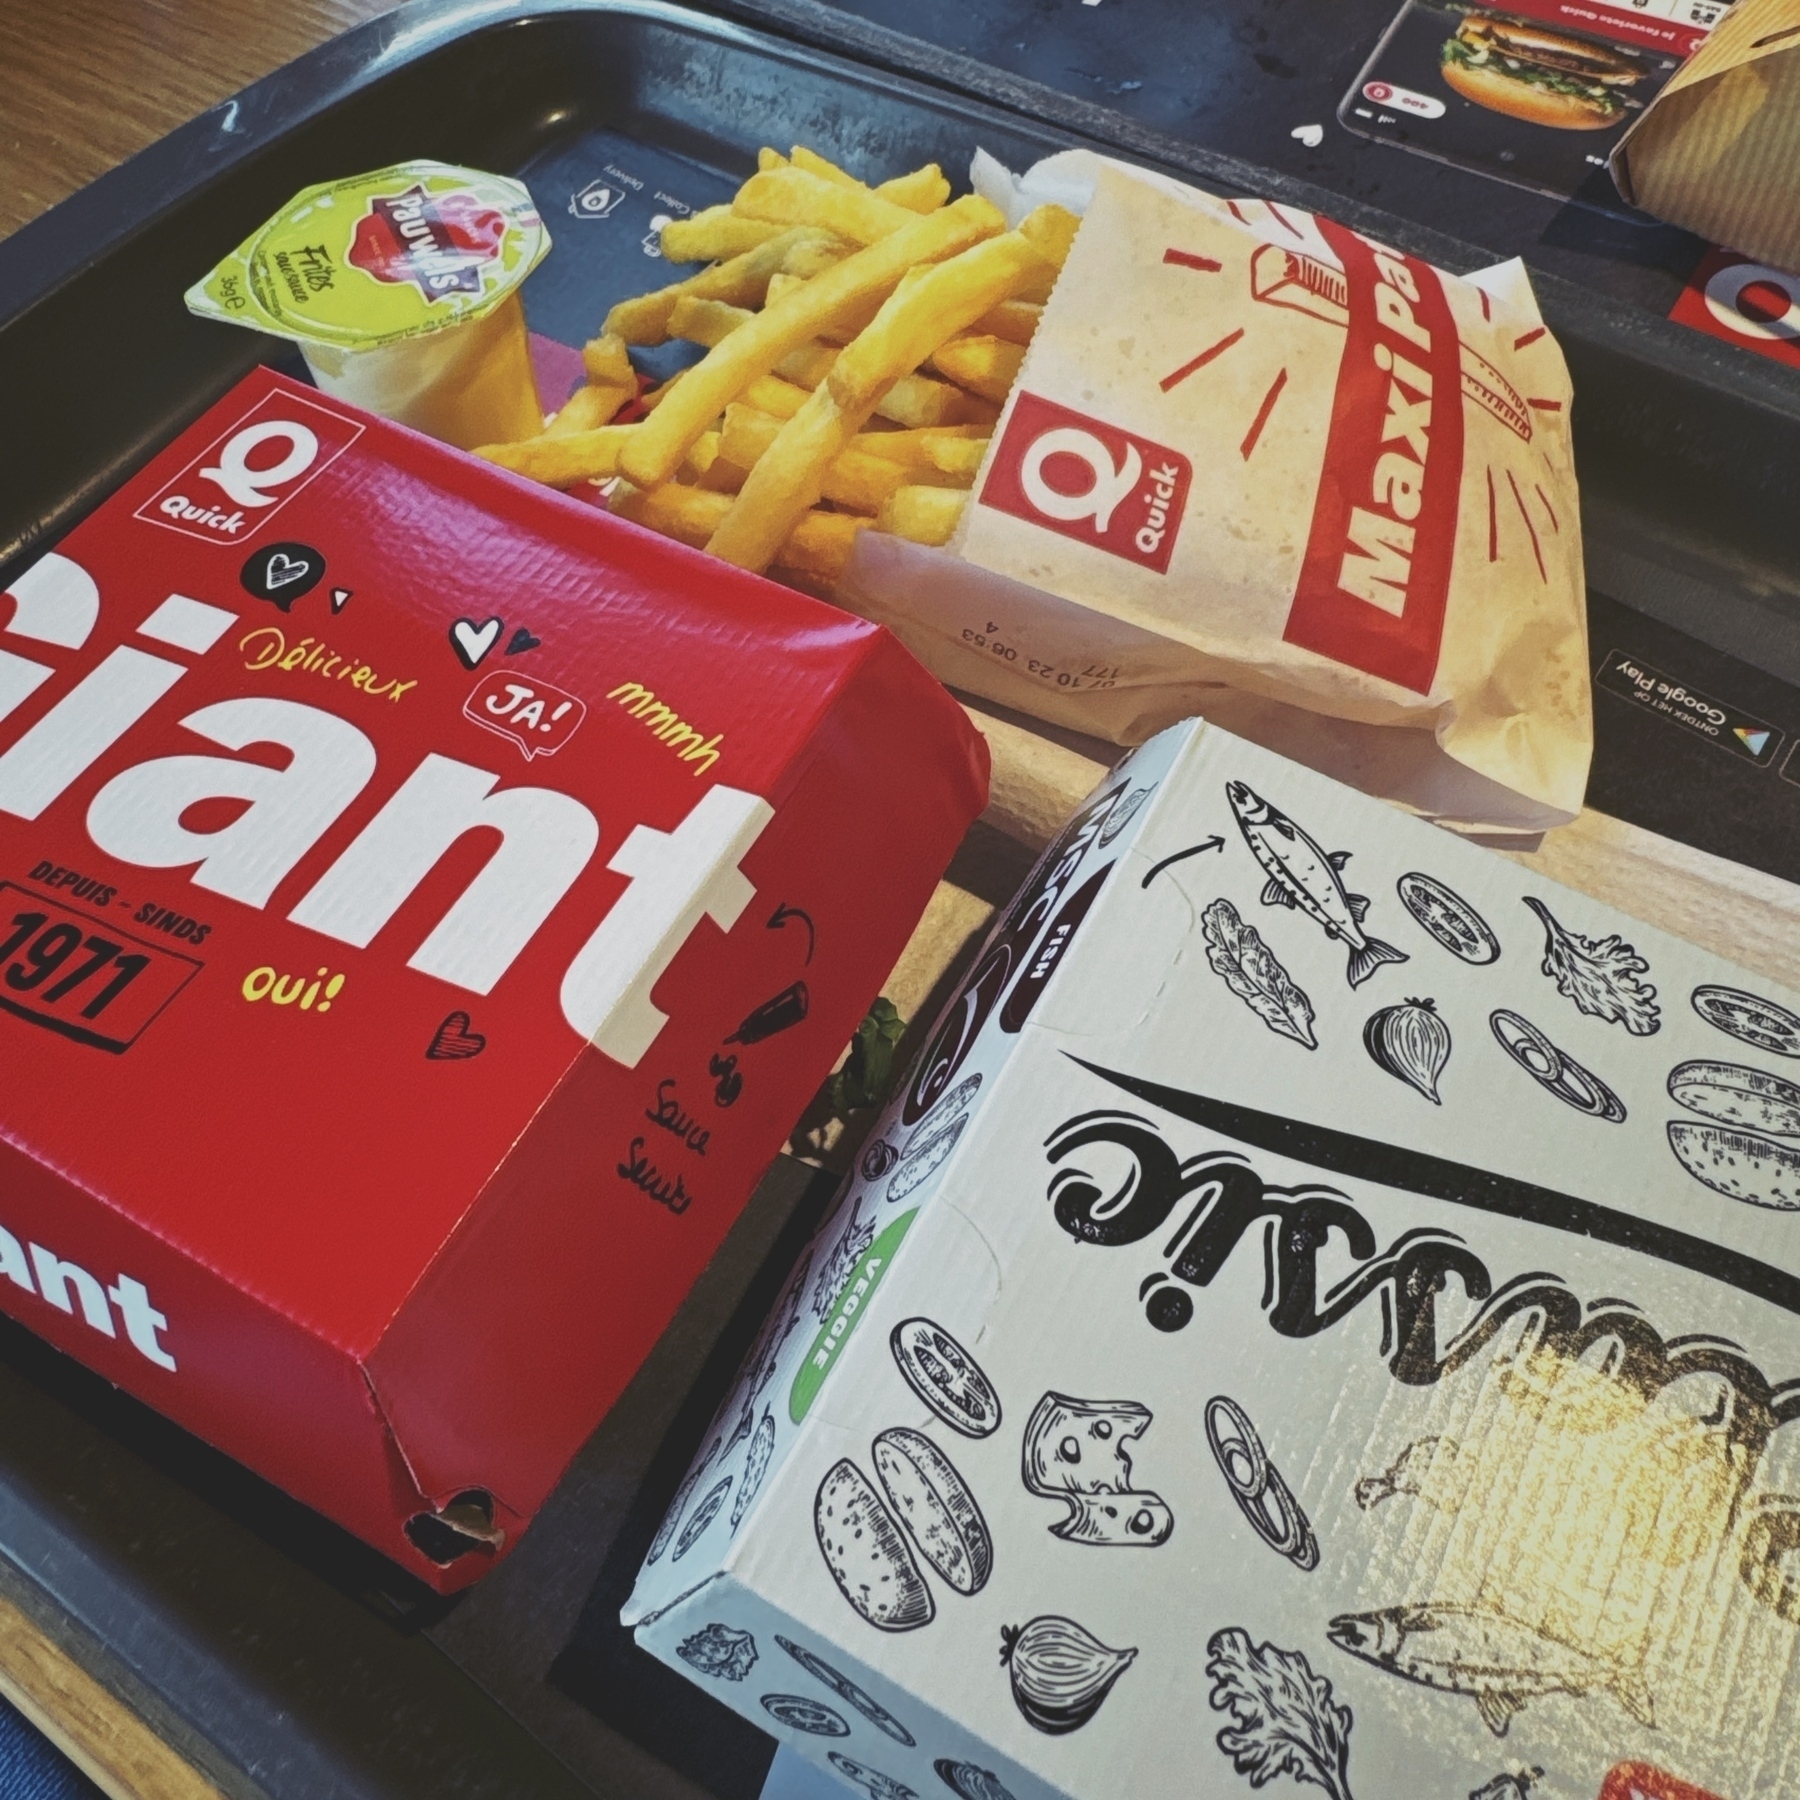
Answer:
(285, 1658)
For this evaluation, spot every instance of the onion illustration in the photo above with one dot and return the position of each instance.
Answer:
(1411, 1042)
(1060, 1671)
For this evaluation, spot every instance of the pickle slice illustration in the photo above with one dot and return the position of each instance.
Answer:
(946, 1377)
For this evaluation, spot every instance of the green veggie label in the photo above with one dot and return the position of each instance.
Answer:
(852, 1301)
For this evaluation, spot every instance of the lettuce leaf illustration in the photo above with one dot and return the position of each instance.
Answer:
(1283, 1719)
(1601, 975)
(1254, 973)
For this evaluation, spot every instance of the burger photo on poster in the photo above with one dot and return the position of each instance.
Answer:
(1542, 76)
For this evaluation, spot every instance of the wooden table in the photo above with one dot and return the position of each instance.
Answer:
(89, 82)
(86, 84)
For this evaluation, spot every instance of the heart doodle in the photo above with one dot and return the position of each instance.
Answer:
(281, 573)
(1312, 136)
(520, 641)
(472, 642)
(454, 1041)
(280, 570)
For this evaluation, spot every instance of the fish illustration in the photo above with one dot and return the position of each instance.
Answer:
(1496, 1661)
(1304, 876)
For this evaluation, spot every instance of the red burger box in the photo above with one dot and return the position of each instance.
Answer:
(425, 905)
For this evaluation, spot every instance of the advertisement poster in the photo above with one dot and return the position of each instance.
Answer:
(1536, 95)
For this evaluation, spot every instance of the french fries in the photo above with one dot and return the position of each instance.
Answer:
(563, 461)
(936, 305)
(586, 409)
(815, 164)
(913, 400)
(927, 515)
(841, 329)
(820, 252)
(819, 544)
(987, 366)
(608, 363)
(744, 280)
(715, 235)
(939, 457)
(927, 305)
(916, 449)
(858, 478)
(1052, 229)
(793, 196)
(756, 347)
(860, 341)
(924, 190)
(1014, 320)
(612, 386)
(787, 482)
(771, 394)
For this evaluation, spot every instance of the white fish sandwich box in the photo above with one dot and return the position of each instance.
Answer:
(1324, 1313)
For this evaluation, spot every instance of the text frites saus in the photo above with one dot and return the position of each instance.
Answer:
(1271, 465)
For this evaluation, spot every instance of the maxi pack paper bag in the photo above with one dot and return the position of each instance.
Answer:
(1259, 467)
(1719, 151)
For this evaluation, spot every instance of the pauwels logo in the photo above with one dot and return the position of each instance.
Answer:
(1376, 577)
(440, 242)
(244, 477)
(1087, 480)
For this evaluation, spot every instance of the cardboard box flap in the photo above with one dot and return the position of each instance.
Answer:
(1718, 151)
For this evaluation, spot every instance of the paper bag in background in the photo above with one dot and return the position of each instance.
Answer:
(1259, 468)
(1719, 150)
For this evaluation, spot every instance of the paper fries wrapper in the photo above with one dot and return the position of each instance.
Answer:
(1258, 467)
(1718, 151)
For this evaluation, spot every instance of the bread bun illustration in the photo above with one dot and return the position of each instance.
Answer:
(866, 1552)
(933, 1502)
(1739, 1164)
(1735, 1095)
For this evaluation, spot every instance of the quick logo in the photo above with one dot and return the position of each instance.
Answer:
(1085, 479)
(244, 477)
